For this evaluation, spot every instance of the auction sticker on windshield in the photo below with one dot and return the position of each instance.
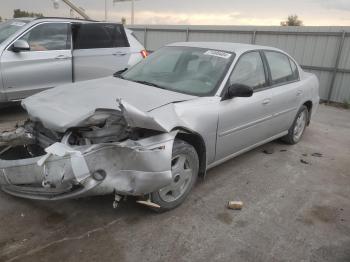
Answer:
(218, 54)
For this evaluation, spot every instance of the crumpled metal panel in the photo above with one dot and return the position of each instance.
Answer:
(131, 168)
(70, 105)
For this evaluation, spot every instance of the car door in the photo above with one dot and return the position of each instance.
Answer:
(243, 121)
(286, 90)
(100, 49)
(47, 64)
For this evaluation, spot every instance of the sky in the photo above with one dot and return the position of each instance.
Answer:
(199, 12)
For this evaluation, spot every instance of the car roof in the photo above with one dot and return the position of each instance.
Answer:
(65, 19)
(237, 48)
(26, 19)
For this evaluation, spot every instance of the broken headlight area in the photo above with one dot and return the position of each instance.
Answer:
(105, 126)
(102, 127)
(100, 156)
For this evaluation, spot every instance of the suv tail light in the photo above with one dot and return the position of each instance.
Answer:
(144, 53)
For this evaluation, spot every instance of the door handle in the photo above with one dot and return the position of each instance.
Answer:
(61, 57)
(119, 54)
(299, 92)
(266, 101)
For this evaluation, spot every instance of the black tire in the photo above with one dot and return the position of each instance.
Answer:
(183, 149)
(290, 138)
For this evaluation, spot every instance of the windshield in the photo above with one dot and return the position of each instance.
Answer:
(10, 27)
(190, 70)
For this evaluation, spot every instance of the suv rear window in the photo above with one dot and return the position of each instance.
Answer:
(99, 35)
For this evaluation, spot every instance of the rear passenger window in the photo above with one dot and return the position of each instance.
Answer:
(99, 35)
(280, 67)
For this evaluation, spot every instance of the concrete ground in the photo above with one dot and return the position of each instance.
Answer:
(296, 208)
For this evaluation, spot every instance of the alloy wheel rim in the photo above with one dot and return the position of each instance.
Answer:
(181, 179)
(299, 126)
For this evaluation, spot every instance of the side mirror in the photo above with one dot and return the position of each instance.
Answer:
(239, 90)
(20, 45)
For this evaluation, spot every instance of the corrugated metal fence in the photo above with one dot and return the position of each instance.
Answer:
(324, 51)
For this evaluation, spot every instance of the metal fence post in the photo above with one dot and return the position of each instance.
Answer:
(253, 38)
(335, 70)
(187, 34)
(145, 38)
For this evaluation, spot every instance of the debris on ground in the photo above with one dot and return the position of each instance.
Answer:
(304, 161)
(117, 199)
(283, 150)
(148, 203)
(304, 154)
(317, 154)
(235, 205)
(268, 151)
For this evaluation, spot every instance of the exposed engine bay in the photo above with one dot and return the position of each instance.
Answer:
(104, 127)
(103, 155)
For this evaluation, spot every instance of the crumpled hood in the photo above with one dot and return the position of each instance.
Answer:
(69, 105)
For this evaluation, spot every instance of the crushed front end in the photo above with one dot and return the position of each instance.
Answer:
(102, 154)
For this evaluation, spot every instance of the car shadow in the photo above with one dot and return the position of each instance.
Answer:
(14, 112)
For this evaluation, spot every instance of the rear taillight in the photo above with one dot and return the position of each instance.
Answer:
(144, 53)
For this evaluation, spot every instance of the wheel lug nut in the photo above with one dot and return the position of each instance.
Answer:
(176, 178)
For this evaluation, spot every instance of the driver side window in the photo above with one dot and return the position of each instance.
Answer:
(249, 71)
(48, 36)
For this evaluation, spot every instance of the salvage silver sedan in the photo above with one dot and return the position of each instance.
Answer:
(151, 130)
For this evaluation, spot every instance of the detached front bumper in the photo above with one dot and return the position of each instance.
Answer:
(127, 168)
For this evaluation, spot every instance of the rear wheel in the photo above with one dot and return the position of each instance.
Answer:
(296, 131)
(184, 168)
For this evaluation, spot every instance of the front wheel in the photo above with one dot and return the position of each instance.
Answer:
(296, 131)
(184, 168)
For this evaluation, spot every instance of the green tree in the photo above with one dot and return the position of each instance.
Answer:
(292, 20)
(0, 19)
(22, 13)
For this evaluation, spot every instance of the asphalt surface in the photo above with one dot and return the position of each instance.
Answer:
(296, 208)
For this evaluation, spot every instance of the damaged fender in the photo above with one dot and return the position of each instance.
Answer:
(136, 118)
(103, 164)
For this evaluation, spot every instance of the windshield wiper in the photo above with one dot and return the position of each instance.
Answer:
(119, 73)
(149, 84)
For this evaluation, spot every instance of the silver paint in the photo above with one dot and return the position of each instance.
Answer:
(227, 128)
(25, 73)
